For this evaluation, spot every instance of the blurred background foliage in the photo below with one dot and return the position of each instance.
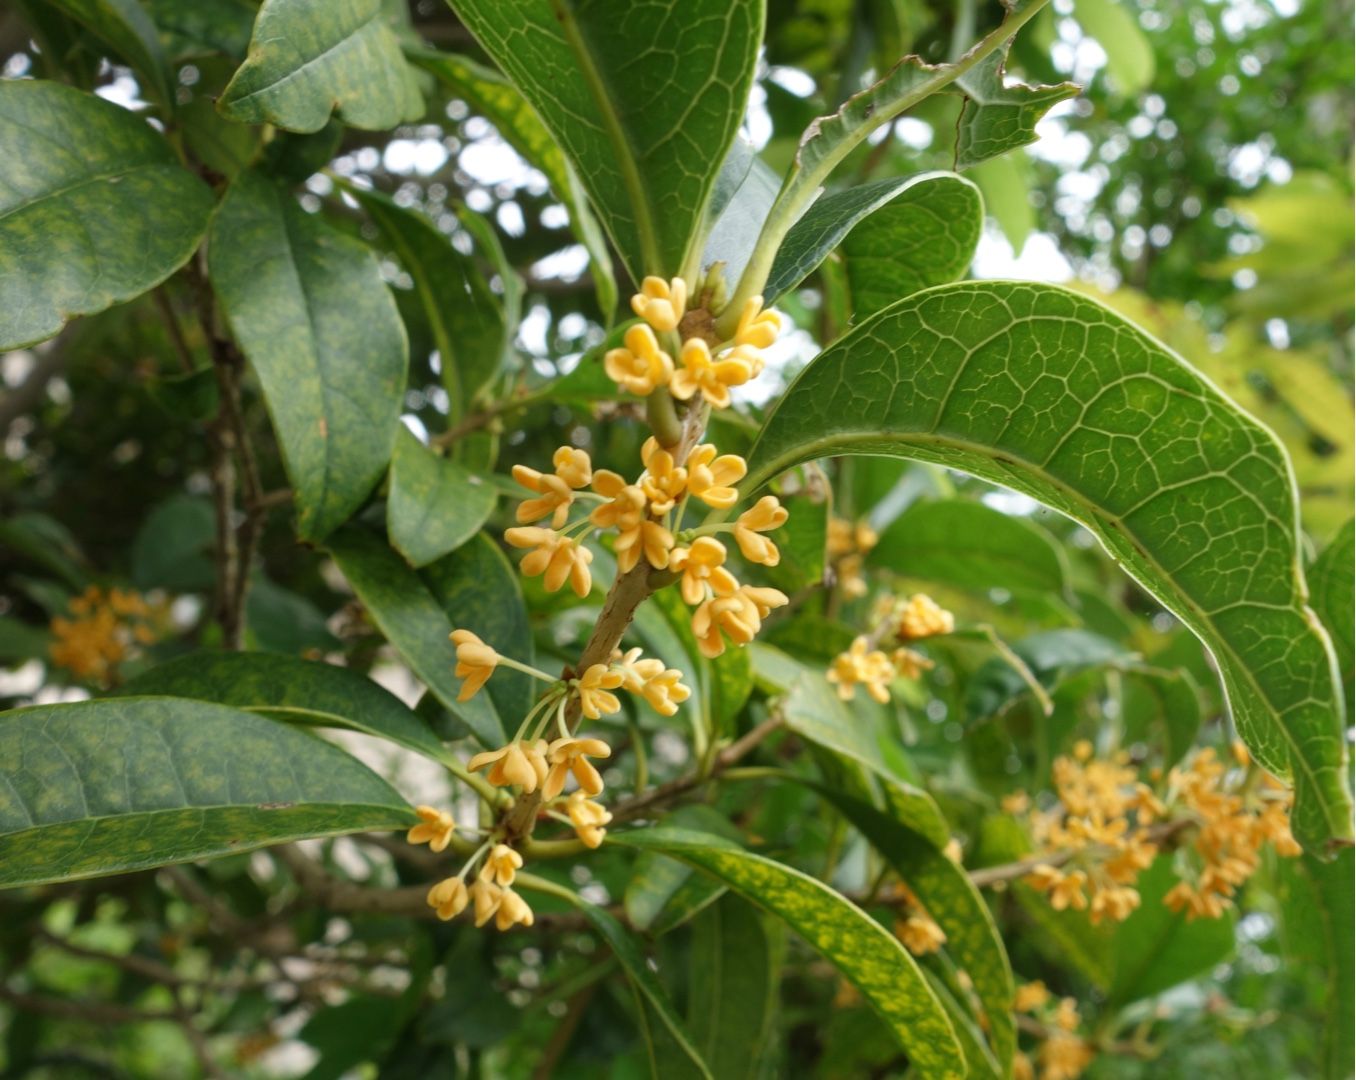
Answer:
(1201, 184)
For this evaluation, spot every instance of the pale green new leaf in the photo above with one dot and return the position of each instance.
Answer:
(998, 116)
(644, 99)
(865, 953)
(103, 787)
(292, 689)
(74, 235)
(414, 622)
(899, 236)
(972, 546)
(434, 505)
(308, 58)
(127, 28)
(466, 318)
(498, 101)
(1129, 56)
(1054, 396)
(309, 307)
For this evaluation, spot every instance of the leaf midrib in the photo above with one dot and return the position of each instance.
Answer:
(86, 182)
(1298, 761)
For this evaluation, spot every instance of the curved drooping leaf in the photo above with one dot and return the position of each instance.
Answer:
(900, 235)
(1054, 396)
(979, 1060)
(308, 58)
(500, 102)
(999, 116)
(414, 623)
(308, 306)
(651, 998)
(644, 99)
(74, 235)
(465, 317)
(972, 546)
(434, 505)
(480, 590)
(865, 953)
(972, 938)
(735, 985)
(101, 787)
(291, 689)
(1168, 701)
(125, 26)
(1333, 581)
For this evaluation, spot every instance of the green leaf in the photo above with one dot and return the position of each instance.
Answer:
(173, 547)
(128, 30)
(192, 395)
(971, 546)
(899, 235)
(746, 187)
(735, 980)
(480, 589)
(1013, 383)
(664, 893)
(434, 505)
(19, 641)
(1317, 920)
(1129, 56)
(1005, 183)
(309, 307)
(972, 938)
(74, 235)
(979, 1058)
(999, 116)
(866, 954)
(1157, 948)
(414, 622)
(103, 787)
(465, 317)
(644, 100)
(201, 27)
(309, 58)
(1066, 938)
(499, 102)
(926, 236)
(1166, 700)
(290, 689)
(651, 999)
(1333, 584)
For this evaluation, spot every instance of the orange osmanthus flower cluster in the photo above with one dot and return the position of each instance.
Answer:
(863, 665)
(1104, 814)
(1062, 1054)
(104, 628)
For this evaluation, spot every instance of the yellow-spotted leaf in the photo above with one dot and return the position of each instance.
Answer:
(862, 950)
(1053, 395)
(103, 787)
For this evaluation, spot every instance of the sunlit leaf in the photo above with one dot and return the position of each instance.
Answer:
(999, 116)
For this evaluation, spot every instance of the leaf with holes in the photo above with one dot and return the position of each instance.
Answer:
(104, 787)
(644, 99)
(308, 58)
(74, 235)
(999, 116)
(311, 312)
(1052, 395)
(858, 946)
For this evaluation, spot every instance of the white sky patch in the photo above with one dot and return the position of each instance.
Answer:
(567, 264)
(422, 156)
(1040, 259)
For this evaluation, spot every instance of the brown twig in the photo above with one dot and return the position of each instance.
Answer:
(98, 1012)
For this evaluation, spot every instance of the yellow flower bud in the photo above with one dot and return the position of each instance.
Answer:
(661, 303)
(476, 662)
(448, 898)
(642, 365)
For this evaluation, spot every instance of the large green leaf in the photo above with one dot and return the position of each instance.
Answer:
(653, 1002)
(309, 58)
(644, 99)
(999, 116)
(74, 234)
(1129, 55)
(734, 980)
(866, 954)
(481, 590)
(415, 623)
(901, 235)
(127, 28)
(434, 505)
(101, 787)
(1054, 396)
(498, 101)
(1157, 948)
(972, 546)
(972, 938)
(289, 688)
(310, 309)
(464, 316)
(1333, 581)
